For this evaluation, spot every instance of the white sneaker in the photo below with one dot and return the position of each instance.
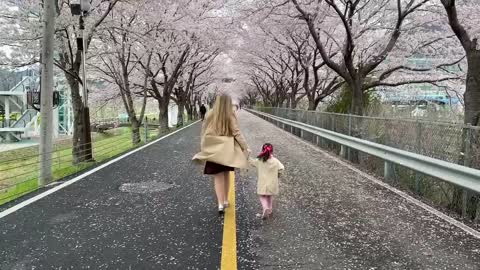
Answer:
(225, 204)
(221, 210)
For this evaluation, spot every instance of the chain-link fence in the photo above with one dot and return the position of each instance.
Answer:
(455, 143)
(19, 168)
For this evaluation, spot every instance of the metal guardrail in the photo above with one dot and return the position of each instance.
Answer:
(462, 176)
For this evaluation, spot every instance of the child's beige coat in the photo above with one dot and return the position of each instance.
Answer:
(268, 172)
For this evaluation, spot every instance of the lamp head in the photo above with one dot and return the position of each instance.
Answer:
(81, 8)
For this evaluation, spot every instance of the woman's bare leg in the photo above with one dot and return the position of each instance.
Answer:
(220, 187)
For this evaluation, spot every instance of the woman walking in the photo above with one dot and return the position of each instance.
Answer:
(223, 147)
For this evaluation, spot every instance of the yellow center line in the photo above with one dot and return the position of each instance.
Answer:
(229, 243)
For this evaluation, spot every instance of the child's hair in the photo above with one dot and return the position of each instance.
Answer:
(267, 151)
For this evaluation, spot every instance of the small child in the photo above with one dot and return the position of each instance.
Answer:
(268, 170)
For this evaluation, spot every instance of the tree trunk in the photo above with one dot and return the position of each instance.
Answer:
(311, 104)
(181, 111)
(196, 108)
(190, 106)
(136, 139)
(357, 98)
(163, 116)
(194, 113)
(190, 112)
(472, 91)
(79, 150)
(356, 109)
(289, 102)
(472, 117)
(252, 102)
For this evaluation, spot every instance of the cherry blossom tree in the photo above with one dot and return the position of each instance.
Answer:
(318, 81)
(282, 46)
(250, 96)
(117, 61)
(464, 21)
(368, 34)
(196, 75)
(22, 22)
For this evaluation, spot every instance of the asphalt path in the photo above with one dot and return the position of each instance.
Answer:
(155, 210)
(151, 210)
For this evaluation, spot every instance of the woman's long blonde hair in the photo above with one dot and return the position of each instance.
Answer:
(221, 115)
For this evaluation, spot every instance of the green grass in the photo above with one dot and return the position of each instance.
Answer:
(19, 169)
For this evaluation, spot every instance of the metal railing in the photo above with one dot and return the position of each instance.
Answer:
(455, 143)
(456, 174)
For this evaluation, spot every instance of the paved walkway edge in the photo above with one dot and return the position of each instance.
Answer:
(80, 177)
(409, 198)
(229, 243)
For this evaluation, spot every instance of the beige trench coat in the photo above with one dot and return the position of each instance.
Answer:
(268, 171)
(223, 150)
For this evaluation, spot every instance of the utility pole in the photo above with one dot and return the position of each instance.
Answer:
(46, 92)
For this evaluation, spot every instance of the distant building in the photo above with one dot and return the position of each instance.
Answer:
(19, 120)
(424, 93)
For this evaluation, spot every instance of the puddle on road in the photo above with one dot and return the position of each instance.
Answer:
(146, 187)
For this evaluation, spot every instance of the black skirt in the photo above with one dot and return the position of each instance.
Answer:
(214, 168)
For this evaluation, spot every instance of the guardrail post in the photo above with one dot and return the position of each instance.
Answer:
(304, 120)
(419, 149)
(332, 128)
(467, 159)
(295, 118)
(334, 123)
(388, 171)
(349, 150)
(343, 151)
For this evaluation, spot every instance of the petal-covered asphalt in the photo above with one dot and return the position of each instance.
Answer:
(155, 210)
(151, 210)
(330, 217)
